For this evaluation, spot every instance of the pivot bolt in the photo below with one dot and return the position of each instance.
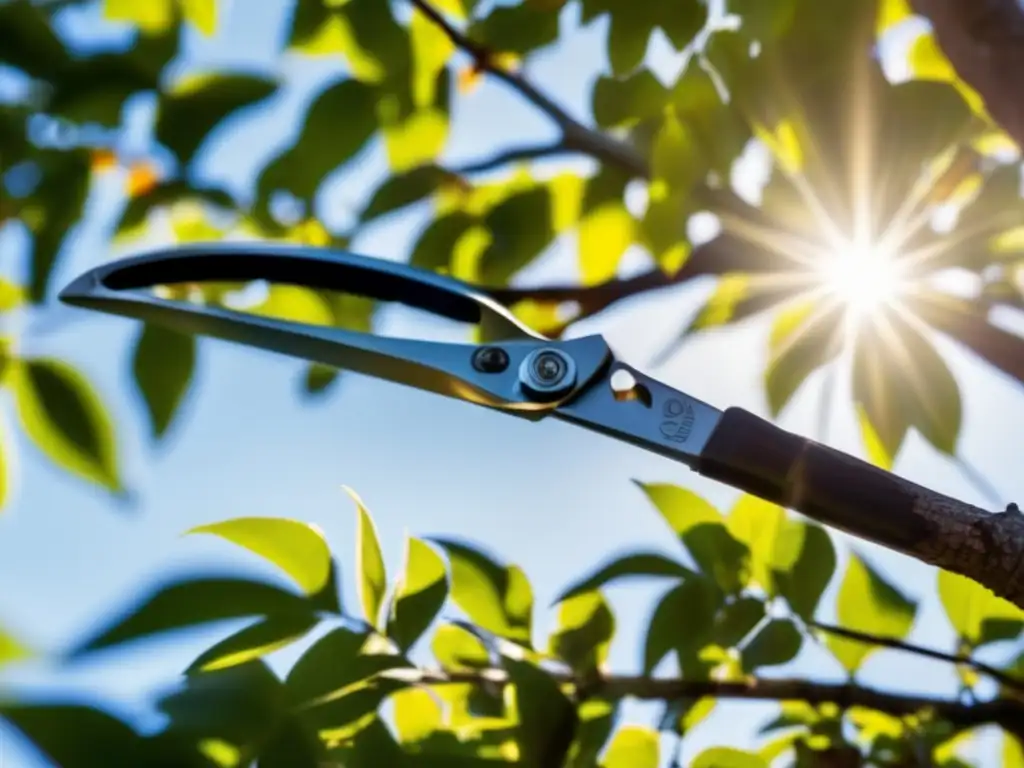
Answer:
(547, 374)
(490, 360)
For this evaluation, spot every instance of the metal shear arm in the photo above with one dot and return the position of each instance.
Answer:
(454, 370)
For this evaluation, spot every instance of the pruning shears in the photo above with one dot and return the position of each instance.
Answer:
(521, 373)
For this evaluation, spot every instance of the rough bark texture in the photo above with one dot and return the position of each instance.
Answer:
(752, 454)
(984, 40)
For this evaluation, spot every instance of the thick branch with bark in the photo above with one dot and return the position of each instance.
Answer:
(1006, 713)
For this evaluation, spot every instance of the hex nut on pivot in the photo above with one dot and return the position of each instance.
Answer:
(547, 374)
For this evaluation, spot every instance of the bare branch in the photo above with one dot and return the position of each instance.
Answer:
(984, 40)
(1007, 713)
(998, 675)
(513, 155)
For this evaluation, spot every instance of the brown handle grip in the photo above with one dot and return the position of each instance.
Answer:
(755, 456)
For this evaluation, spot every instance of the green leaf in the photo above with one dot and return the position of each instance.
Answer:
(764, 21)
(412, 139)
(241, 704)
(57, 205)
(75, 736)
(420, 596)
(518, 29)
(633, 746)
(403, 189)
(872, 605)
(437, 243)
(586, 626)
(978, 616)
(758, 524)
(496, 598)
(804, 337)
(163, 366)
(624, 102)
(297, 548)
(373, 578)
(193, 108)
(597, 720)
(330, 664)
(193, 602)
(736, 620)
(727, 757)
(547, 719)
(674, 156)
(682, 22)
(458, 650)
(64, 418)
(319, 378)
(254, 641)
(700, 528)
(626, 566)
(513, 246)
(628, 35)
(778, 642)
(805, 560)
(337, 125)
(292, 744)
(8, 458)
(683, 620)
(28, 41)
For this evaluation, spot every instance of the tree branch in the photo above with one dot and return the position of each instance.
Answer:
(1006, 713)
(984, 40)
(515, 154)
(1008, 681)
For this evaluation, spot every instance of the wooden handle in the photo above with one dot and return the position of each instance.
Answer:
(755, 456)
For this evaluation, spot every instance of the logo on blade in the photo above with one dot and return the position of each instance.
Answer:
(678, 420)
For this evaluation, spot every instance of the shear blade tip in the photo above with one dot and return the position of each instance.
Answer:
(80, 290)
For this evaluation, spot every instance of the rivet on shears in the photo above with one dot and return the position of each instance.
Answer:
(547, 374)
(490, 360)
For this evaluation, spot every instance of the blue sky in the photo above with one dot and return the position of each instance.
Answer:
(550, 497)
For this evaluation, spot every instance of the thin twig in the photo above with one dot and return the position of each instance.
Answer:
(1007, 713)
(515, 154)
(1008, 681)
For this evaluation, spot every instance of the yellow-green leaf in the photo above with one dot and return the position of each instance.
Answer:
(431, 49)
(417, 139)
(64, 417)
(458, 650)
(12, 649)
(758, 524)
(977, 615)
(891, 13)
(727, 757)
(373, 580)
(202, 14)
(297, 548)
(674, 154)
(417, 714)
(585, 629)
(633, 746)
(719, 308)
(1013, 751)
(604, 235)
(878, 453)
(868, 603)
(420, 595)
(152, 16)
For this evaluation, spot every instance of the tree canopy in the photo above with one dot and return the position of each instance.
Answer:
(835, 166)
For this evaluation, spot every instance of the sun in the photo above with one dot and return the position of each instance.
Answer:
(863, 276)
